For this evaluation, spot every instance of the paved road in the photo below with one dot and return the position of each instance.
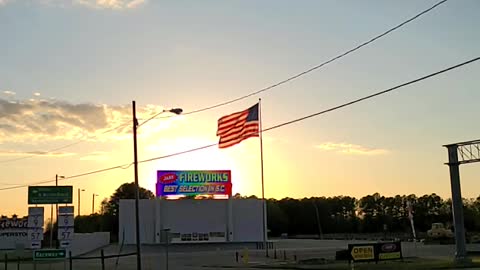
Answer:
(195, 257)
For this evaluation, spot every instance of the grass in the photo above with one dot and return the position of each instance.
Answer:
(407, 264)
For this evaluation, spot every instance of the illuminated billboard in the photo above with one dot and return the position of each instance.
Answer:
(194, 183)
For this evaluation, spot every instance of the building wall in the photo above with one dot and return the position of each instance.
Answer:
(241, 218)
(85, 242)
(185, 216)
(127, 225)
(81, 243)
(247, 212)
(14, 242)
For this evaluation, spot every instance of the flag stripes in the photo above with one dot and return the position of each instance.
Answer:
(238, 126)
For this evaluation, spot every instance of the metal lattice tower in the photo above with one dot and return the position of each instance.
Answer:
(460, 153)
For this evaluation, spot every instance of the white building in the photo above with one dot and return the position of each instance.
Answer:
(232, 220)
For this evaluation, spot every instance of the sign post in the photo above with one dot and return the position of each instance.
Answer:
(65, 225)
(35, 226)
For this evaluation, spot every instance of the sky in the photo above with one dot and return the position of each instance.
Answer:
(69, 70)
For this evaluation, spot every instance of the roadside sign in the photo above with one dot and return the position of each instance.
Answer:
(35, 217)
(363, 253)
(35, 221)
(389, 251)
(35, 226)
(65, 225)
(36, 244)
(35, 211)
(35, 234)
(49, 194)
(375, 251)
(49, 254)
(65, 233)
(65, 221)
(65, 244)
(65, 210)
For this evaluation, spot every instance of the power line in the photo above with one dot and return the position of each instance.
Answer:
(26, 185)
(284, 123)
(317, 66)
(374, 95)
(125, 166)
(263, 89)
(179, 153)
(151, 118)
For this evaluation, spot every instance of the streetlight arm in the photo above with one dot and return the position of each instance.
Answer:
(176, 111)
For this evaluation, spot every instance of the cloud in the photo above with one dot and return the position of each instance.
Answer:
(8, 93)
(36, 153)
(95, 4)
(111, 4)
(135, 3)
(40, 120)
(350, 149)
(96, 156)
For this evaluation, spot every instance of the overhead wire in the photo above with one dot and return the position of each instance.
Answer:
(298, 75)
(263, 89)
(284, 123)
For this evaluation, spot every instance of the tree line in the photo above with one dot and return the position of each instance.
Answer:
(320, 215)
(369, 214)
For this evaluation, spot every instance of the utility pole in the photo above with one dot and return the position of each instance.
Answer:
(93, 203)
(79, 190)
(318, 220)
(51, 215)
(137, 188)
(137, 194)
(56, 212)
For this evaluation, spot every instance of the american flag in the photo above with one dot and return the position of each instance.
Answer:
(236, 127)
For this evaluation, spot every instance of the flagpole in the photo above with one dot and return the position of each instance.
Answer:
(264, 204)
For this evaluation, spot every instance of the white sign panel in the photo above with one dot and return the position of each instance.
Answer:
(65, 221)
(65, 233)
(35, 226)
(35, 221)
(65, 210)
(65, 225)
(35, 234)
(35, 217)
(36, 245)
(35, 211)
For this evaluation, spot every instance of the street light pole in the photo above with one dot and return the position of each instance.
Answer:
(79, 190)
(318, 220)
(137, 188)
(137, 193)
(51, 212)
(51, 225)
(93, 203)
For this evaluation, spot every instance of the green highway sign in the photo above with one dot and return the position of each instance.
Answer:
(49, 194)
(49, 254)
